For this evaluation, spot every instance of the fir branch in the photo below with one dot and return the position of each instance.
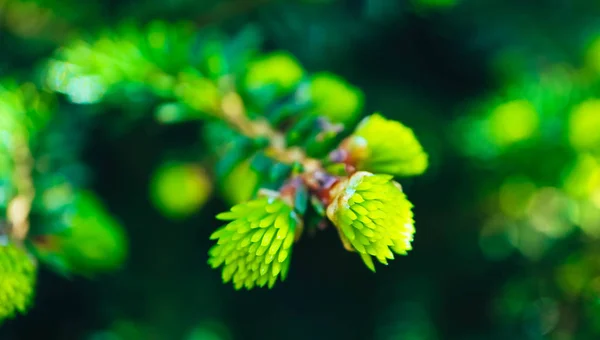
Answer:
(233, 112)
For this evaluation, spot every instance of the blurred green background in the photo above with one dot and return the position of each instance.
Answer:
(503, 95)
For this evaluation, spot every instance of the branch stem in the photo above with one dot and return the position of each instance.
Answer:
(20, 206)
(233, 112)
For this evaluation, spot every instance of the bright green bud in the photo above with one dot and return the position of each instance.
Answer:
(255, 247)
(200, 94)
(277, 69)
(178, 190)
(380, 145)
(17, 281)
(335, 99)
(373, 216)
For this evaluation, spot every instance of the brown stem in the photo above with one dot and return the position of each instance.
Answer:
(320, 184)
(20, 206)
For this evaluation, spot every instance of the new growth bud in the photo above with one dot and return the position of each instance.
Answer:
(255, 247)
(373, 216)
(380, 145)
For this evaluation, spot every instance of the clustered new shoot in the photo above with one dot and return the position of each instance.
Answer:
(352, 187)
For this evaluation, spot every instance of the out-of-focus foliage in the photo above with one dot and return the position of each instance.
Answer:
(92, 242)
(27, 123)
(583, 124)
(17, 281)
(335, 99)
(538, 204)
(240, 184)
(540, 135)
(279, 72)
(179, 190)
(125, 60)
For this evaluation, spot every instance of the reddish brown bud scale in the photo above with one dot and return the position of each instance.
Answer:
(320, 184)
